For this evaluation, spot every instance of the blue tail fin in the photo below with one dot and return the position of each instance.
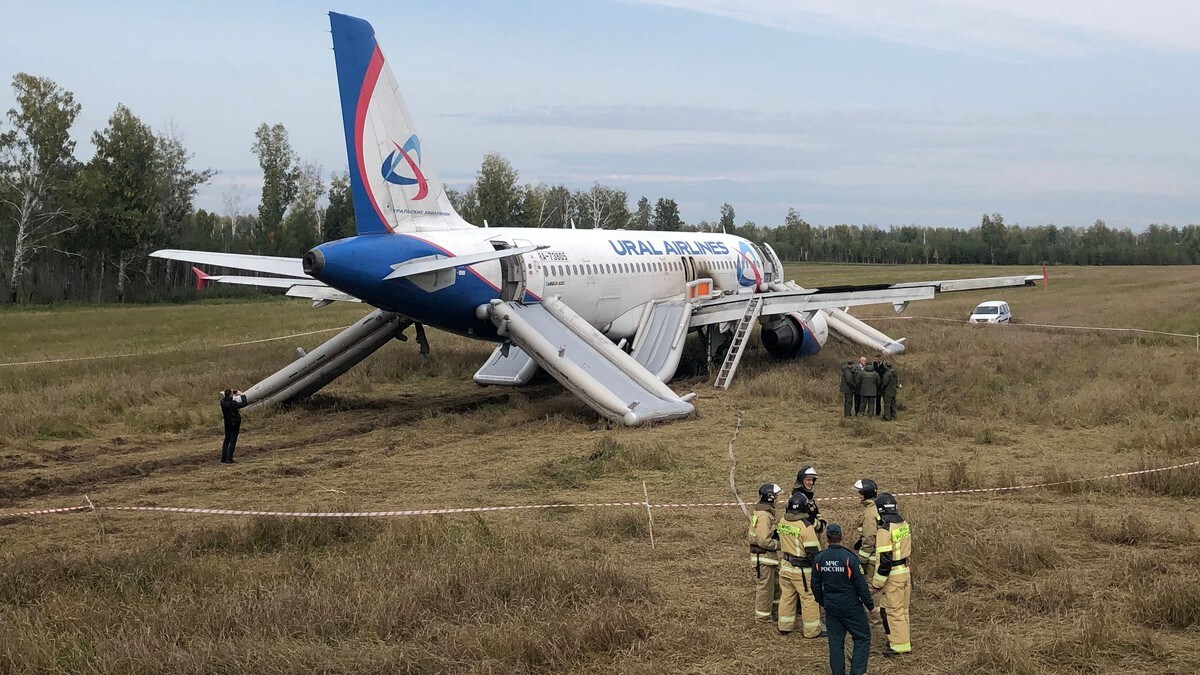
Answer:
(394, 189)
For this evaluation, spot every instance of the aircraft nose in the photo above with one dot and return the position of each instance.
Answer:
(314, 263)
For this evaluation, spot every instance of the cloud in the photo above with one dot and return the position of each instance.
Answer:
(1013, 27)
(881, 165)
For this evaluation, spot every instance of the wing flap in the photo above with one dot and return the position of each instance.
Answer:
(731, 307)
(952, 285)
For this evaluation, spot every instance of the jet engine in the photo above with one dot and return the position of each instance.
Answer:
(789, 335)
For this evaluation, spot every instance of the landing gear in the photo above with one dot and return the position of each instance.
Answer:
(716, 344)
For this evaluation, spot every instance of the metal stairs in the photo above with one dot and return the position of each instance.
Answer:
(740, 335)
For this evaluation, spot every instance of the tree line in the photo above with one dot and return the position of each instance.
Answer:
(72, 230)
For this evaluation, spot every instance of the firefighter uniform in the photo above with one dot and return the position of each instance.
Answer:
(798, 546)
(866, 537)
(893, 545)
(764, 544)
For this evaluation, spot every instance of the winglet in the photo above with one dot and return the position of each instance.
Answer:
(202, 279)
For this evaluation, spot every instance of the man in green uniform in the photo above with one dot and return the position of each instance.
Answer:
(846, 386)
(889, 386)
(868, 388)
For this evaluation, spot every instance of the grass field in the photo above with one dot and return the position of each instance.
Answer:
(1096, 577)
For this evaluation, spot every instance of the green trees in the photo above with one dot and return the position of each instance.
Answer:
(603, 208)
(121, 193)
(36, 163)
(339, 215)
(666, 215)
(75, 231)
(281, 177)
(726, 223)
(498, 198)
(642, 217)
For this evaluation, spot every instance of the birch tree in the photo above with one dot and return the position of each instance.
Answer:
(36, 161)
(603, 207)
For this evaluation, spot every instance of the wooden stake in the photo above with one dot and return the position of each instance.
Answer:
(99, 521)
(649, 515)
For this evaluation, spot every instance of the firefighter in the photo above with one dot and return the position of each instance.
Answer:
(841, 589)
(764, 547)
(806, 480)
(798, 546)
(893, 545)
(867, 491)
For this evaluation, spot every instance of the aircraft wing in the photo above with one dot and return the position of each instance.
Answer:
(731, 307)
(950, 285)
(266, 264)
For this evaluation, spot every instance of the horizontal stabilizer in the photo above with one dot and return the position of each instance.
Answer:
(267, 264)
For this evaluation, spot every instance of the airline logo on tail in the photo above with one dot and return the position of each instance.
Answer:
(405, 154)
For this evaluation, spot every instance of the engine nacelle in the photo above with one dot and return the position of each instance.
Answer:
(790, 335)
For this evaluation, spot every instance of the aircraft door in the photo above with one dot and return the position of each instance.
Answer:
(535, 270)
(689, 268)
(512, 274)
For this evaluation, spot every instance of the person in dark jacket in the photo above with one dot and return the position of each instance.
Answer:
(231, 409)
(847, 388)
(862, 365)
(868, 388)
(889, 385)
(840, 587)
(881, 367)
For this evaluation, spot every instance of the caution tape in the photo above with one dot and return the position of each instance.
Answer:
(531, 507)
(167, 350)
(1190, 336)
(46, 512)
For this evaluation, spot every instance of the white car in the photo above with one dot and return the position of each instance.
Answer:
(992, 311)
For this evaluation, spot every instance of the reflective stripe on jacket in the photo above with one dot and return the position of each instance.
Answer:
(798, 541)
(893, 545)
(761, 535)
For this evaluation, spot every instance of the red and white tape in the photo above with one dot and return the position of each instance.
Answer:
(167, 350)
(529, 507)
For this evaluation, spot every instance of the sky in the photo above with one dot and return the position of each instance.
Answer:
(927, 112)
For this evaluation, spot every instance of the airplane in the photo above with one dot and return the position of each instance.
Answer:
(605, 312)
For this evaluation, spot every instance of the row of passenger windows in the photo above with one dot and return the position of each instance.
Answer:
(632, 268)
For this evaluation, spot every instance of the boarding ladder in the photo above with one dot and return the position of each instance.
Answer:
(740, 335)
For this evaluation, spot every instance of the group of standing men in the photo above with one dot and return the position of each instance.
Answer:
(869, 389)
(796, 571)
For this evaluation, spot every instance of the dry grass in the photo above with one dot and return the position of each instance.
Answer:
(1011, 582)
(441, 595)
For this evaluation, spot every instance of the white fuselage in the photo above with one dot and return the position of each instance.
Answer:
(608, 276)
